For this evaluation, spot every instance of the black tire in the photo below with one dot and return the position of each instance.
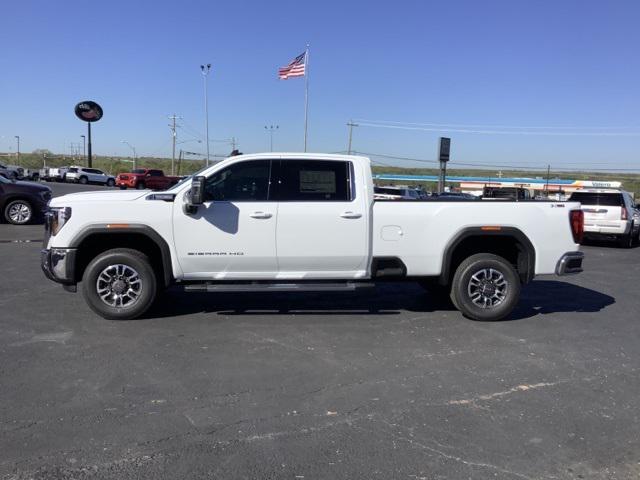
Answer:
(106, 265)
(471, 286)
(122, 187)
(626, 241)
(83, 180)
(140, 186)
(18, 212)
(111, 182)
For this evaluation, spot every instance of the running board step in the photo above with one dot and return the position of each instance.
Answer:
(277, 287)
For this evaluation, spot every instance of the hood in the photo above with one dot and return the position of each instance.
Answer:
(99, 196)
(31, 187)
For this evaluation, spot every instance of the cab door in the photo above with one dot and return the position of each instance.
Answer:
(322, 228)
(233, 234)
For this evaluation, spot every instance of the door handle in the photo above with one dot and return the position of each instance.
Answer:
(350, 215)
(260, 215)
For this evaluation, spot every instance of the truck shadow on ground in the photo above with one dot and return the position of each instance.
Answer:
(538, 298)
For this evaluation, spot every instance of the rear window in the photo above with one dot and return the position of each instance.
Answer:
(139, 170)
(315, 180)
(603, 199)
(73, 170)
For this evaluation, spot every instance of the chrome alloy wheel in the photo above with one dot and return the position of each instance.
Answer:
(487, 288)
(20, 212)
(119, 286)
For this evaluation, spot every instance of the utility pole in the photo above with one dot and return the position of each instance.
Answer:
(351, 125)
(18, 152)
(135, 157)
(233, 143)
(205, 74)
(172, 126)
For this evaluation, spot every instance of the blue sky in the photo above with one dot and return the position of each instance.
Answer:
(487, 63)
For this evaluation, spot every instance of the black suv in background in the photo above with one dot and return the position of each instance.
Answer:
(22, 202)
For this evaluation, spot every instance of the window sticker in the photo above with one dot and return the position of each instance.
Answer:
(317, 181)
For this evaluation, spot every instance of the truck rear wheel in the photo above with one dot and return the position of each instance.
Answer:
(119, 284)
(140, 186)
(485, 287)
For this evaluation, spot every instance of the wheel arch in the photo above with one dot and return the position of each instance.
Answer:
(508, 242)
(96, 239)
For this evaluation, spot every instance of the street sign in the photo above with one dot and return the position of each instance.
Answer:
(88, 111)
(445, 147)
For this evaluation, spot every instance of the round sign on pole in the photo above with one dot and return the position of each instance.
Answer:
(88, 111)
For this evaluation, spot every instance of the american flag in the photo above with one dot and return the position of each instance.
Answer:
(295, 69)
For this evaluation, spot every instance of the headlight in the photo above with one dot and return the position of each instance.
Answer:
(57, 218)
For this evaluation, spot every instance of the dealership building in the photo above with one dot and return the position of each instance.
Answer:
(475, 185)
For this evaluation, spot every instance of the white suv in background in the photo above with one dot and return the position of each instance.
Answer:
(609, 212)
(89, 175)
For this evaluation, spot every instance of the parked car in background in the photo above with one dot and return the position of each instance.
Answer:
(142, 178)
(22, 202)
(609, 213)
(506, 193)
(454, 196)
(395, 193)
(86, 175)
(54, 174)
(11, 171)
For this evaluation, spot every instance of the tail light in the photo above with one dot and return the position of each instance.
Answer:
(576, 219)
(623, 214)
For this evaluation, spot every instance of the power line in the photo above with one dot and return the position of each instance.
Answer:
(522, 127)
(499, 132)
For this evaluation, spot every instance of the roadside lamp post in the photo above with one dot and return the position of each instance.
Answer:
(205, 74)
(84, 146)
(134, 153)
(271, 129)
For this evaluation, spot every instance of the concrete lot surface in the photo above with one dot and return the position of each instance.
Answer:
(385, 384)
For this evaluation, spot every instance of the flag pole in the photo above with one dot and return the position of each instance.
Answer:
(306, 94)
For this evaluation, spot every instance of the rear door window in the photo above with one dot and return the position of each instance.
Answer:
(600, 199)
(314, 181)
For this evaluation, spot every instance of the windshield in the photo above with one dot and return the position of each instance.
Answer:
(138, 170)
(600, 199)
(188, 177)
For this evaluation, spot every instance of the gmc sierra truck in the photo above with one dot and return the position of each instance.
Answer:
(300, 222)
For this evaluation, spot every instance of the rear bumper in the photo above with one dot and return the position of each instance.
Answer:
(570, 263)
(59, 264)
(620, 228)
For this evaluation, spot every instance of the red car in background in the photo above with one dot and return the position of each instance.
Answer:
(142, 178)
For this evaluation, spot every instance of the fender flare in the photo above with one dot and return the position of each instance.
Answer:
(529, 260)
(139, 229)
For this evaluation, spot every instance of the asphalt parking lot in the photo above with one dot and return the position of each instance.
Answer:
(382, 384)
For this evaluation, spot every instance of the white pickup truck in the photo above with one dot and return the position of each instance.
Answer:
(291, 221)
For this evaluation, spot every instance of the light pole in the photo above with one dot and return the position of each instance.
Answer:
(134, 152)
(84, 146)
(271, 129)
(18, 154)
(205, 74)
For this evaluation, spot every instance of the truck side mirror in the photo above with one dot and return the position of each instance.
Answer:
(197, 190)
(196, 195)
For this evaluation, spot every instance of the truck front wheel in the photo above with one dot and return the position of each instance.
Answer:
(119, 284)
(485, 287)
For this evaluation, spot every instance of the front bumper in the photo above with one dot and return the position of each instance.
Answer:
(59, 264)
(570, 263)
